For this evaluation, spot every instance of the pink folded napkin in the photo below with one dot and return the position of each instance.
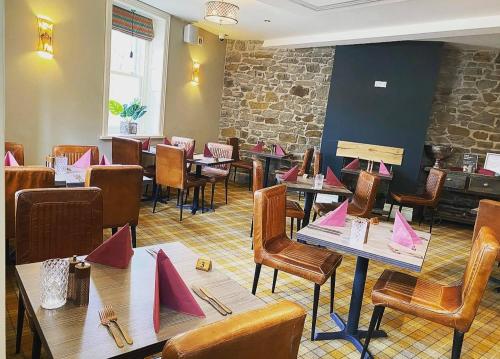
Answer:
(146, 143)
(403, 234)
(485, 172)
(353, 165)
(331, 179)
(190, 152)
(207, 152)
(104, 161)
(291, 174)
(115, 251)
(259, 147)
(280, 151)
(84, 161)
(337, 217)
(171, 291)
(9, 160)
(383, 169)
(166, 141)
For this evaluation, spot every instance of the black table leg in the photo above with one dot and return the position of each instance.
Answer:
(196, 194)
(349, 331)
(309, 198)
(266, 171)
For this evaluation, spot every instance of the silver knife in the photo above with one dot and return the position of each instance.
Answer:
(207, 299)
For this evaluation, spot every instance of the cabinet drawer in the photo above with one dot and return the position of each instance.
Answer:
(455, 180)
(484, 184)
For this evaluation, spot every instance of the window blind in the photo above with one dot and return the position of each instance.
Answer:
(132, 24)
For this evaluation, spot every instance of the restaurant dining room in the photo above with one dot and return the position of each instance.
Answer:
(250, 179)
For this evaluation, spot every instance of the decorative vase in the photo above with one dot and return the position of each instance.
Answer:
(132, 128)
(124, 127)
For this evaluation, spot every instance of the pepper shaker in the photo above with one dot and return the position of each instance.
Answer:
(82, 284)
(71, 277)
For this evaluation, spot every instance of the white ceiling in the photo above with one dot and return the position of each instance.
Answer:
(303, 23)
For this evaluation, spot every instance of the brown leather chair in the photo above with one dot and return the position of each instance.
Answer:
(218, 173)
(17, 150)
(306, 163)
(274, 249)
(275, 329)
(171, 171)
(429, 199)
(18, 178)
(238, 162)
(488, 215)
(128, 151)
(317, 163)
(121, 195)
(362, 202)
(74, 152)
(454, 306)
(293, 209)
(55, 223)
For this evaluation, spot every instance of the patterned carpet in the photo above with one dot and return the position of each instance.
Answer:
(224, 236)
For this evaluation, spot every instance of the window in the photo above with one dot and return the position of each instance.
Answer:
(136, 71)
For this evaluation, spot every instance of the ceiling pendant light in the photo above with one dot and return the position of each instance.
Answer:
(221, 12)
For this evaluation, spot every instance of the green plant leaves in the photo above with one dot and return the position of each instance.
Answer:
(132, 111)
(115, 107)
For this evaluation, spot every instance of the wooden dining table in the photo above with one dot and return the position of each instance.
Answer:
(199, 161)
(75, 332)
(378, 248)
(306, 185)
(75, 177)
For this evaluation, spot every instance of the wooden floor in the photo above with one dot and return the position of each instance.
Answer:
(224, 236)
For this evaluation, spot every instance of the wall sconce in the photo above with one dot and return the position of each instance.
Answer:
(195, 78)
(45, 31)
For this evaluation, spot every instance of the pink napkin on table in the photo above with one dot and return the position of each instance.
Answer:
(259, 147)
(331, 179)
(10, 160)
(291, 174)
(280, 151)
(171, 291)
(84, 161)
(104, 161)
(485, 172)
(166, 141)
(337, 217)
(146, 143)
(383, 169)
(353, 165)
(403, 234)
(190, 152)
(207, 152)
(116, 251)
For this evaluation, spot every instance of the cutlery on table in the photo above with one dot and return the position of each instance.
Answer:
(219, 303)
(105, 321)
(152, 252)
(111, 315)
(200, 294)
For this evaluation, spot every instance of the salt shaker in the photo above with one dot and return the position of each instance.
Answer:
(71, 277)
(82, 284)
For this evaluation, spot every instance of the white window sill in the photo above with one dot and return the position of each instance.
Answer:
(109, 137)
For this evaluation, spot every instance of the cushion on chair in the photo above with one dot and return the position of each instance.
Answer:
(412, 200)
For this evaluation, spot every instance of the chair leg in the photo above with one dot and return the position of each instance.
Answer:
(315, 310)
(187, 196)
(234, 178)
(400, 207)
(291, 227)
(114, 230)
(314, 216)
(421, 219)
(390, 211)
(36, 347)
(155, 199)
(251, 229)
(202, 199)
(256, 275)
(433, 212)
(250, 180)
(178, 195)
(275, 277)
(299, 222)
(212, 198)
(458, 338)
(167, 198)
(380, 319)
(377, 311)
(20, 322)
(134, 236)
(225, 185)
(332, 291)
(182, 205)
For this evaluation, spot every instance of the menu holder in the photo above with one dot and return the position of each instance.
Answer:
(359, 231)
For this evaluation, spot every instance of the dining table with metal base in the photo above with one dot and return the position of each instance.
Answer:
(378, 247)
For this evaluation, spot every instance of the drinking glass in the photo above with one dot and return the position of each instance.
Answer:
(54, 283)
(61, 164)
(318, 181)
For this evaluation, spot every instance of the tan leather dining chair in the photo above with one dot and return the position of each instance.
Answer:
(18, 178)
(273, 330)
(274, 249)
(362, 201)
(238, 162)
(454, 306)
(17, 150)
(306, 163)
(55, 223)
(121, 195)
(126, 151)
(317, 163)
(74, 152)
(171, 171)
(219, 173)
(293, 208)
(488, 215)
(429, 199)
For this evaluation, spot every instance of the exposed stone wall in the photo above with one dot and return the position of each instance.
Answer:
(466, 107)
(275, 95)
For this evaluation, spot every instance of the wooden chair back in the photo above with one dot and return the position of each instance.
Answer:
(74, 152)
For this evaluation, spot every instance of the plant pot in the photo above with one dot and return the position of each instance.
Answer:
(128, 127)
(132, 128)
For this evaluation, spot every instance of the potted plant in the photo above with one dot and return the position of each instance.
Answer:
(130, 113)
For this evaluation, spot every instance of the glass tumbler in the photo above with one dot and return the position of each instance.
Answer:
(54, 283)
(318, 181)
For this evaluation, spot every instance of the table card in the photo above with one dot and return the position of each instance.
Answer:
(61, 164)
(359, 231)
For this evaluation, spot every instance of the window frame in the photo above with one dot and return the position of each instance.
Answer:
(147, 9)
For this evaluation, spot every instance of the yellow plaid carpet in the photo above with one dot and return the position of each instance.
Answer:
(223, 235)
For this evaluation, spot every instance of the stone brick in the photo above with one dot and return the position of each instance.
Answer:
(486, 84)
(460, 131)
(287, 137)
(480, 135)
(299, 91)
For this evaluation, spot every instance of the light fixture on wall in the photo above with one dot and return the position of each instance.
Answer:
(45, 32)
(195, 77)
(221, 12)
